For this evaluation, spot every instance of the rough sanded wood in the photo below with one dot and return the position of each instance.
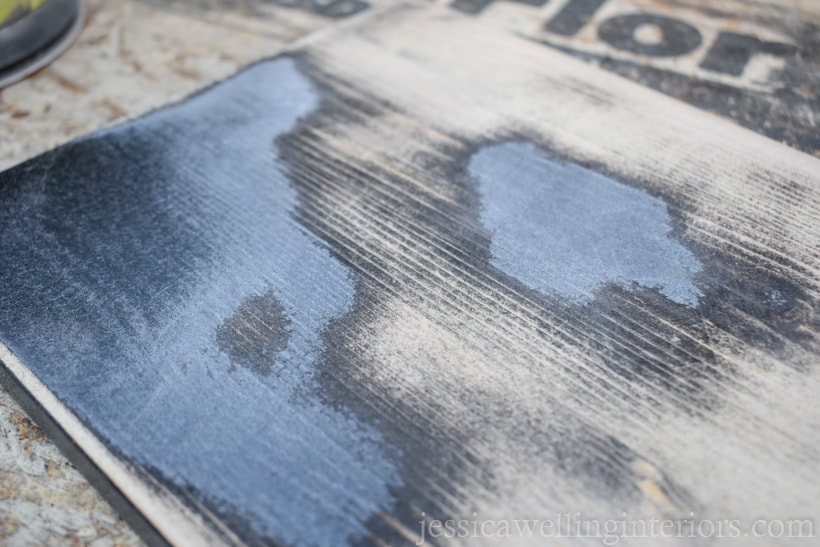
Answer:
(349, 246)
(755, 62)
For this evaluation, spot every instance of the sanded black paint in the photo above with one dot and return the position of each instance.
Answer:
(141, 263)
(255, 333)
(677, 37)
(573, 17)
(650, 356)
(785, 115)
(477, 6)
(108, 248)
(731, 52)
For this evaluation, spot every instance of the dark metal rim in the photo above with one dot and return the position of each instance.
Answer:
(46, 53)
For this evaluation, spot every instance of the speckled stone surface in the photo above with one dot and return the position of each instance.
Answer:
(134, 56)
(44, 500)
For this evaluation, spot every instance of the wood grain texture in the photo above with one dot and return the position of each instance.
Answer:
(363, 232)
(754, 62)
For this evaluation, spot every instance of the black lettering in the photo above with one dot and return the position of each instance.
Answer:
(573, 17)
(477, 6)
(731, 52)
(338, 9)
(676, 37)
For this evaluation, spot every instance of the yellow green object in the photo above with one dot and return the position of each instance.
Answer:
(33, 33)
(11, 10)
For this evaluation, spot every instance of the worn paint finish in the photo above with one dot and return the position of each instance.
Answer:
(561, 228)
(256, 334)
(755, 63)
(169, 230)
(468, 392)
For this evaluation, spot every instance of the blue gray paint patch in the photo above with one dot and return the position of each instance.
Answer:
(152, 241)
(563, 229)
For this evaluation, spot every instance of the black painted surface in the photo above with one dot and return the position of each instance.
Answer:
(144, 263)
(196, 286)
(676, 37)
(785, 109)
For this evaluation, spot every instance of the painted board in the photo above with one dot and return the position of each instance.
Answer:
(331, 302)
(756, 63)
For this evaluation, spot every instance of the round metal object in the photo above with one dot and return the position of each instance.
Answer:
(33, 33)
